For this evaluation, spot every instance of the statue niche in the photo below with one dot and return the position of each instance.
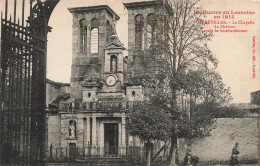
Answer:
(72, 129)
(113, 63)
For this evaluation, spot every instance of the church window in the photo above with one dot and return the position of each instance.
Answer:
(139, 34)
(72, 129)
(151, 33)
(133, 93)
(83, 36)
(89, 94)
(94, 36)
(113, 63)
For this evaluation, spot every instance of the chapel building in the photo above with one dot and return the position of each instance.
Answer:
(90, 113)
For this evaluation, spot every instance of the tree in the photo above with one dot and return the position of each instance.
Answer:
(179, 63)
(149, 123)
(206, 86)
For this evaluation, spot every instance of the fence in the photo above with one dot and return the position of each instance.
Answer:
(134, 154)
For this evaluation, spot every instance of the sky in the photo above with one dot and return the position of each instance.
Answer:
(233, 50)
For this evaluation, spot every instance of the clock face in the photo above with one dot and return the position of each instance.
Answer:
(111, 80)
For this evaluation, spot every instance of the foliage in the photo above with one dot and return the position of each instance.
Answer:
(200, 122)
(150, 122)
(206, 87)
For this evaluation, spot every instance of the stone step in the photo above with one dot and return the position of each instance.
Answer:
(101, 163)
(85, 164)
(101, 160)
(97, 161)
(94, 162)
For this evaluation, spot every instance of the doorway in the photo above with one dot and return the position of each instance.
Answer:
(111, 138)
(72, 150)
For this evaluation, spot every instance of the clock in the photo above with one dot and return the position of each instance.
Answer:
(111, 80)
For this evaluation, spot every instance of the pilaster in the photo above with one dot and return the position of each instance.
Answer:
(123, 145)
(101, 138)
(94, 137)
(80, 132)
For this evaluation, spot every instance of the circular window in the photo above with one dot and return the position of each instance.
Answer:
(89, 94)
(133, 93)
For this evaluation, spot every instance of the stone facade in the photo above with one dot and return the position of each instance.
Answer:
(142, 10)
(135, 9)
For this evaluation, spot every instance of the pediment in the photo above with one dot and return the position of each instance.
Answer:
(114, 46)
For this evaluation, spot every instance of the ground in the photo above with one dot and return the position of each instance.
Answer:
(82, 164)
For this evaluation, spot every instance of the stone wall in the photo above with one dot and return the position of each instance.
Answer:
(227, 132)
(53, 132)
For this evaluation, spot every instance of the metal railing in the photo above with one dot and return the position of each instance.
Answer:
(133, 154)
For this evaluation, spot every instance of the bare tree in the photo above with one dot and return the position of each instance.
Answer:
(178, 62)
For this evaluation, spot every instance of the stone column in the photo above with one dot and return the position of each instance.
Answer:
(88, 37)
(101, 138)
(87, 139)
(94, 140)
(84, 131)
(119, 138)
(123, 150)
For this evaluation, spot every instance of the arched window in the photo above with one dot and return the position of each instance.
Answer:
(139, 24)
(94, 36)
(72, 129)
(151, 32)
(108, 28)
(113, 63)
(83, 36)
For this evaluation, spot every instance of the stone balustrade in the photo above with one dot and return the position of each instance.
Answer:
(112, 106)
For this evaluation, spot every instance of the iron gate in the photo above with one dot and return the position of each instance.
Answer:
(23, 75)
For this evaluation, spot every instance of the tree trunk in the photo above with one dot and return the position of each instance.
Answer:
(148, 161)
(174, 137)
(173, 150)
